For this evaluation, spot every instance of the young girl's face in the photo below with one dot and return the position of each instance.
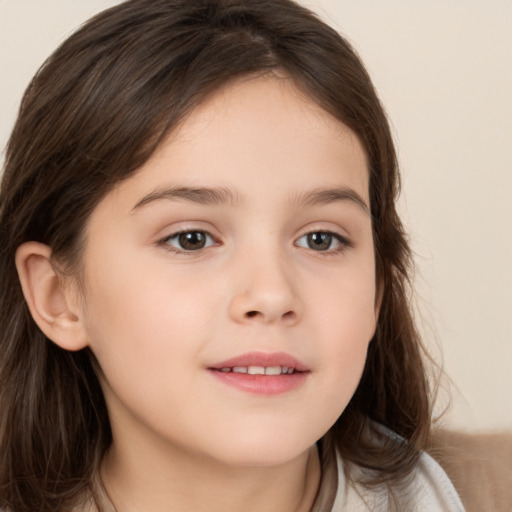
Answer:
(243, 246)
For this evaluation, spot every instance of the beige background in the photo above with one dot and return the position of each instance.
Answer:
(444, 72)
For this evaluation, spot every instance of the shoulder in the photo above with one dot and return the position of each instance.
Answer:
(435, 490)
(427, 490)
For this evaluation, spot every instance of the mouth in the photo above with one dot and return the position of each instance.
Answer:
(259, 370)
(261, 373)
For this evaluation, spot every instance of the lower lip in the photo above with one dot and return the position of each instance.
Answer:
(261, 384)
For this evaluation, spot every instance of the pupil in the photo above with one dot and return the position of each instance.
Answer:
(319, 241)
(192, 240)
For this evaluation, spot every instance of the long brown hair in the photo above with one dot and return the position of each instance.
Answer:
(92, 115)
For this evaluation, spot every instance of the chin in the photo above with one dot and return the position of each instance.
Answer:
(260, 450)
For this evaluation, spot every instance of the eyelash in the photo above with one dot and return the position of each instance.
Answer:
(343, 243)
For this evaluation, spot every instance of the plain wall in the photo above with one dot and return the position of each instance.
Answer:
(444, 72)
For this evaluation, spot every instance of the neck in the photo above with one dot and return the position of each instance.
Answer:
(176, 483)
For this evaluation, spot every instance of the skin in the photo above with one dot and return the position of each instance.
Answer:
(157, 316)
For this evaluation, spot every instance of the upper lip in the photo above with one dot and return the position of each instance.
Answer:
(262, 359)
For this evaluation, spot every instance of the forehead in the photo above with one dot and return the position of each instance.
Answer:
(258, 135)
(256, 100)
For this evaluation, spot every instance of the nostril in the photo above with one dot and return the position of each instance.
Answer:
(289, 315)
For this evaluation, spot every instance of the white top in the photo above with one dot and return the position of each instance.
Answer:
(430, 490)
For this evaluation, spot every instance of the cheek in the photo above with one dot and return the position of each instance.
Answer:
(143, 322)
(148, 338)
(345, 304)
(346, 322)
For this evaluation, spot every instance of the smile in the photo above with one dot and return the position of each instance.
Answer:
(259, 370)
(261, 373)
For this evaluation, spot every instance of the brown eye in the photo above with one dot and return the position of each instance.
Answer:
(323, 241)
(190, 240)
(319, 241)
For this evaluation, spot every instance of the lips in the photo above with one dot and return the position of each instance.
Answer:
(262, 360)
(261, 373)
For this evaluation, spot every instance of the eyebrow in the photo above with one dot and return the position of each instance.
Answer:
(221, 195)
(200, 195)
(322, 196)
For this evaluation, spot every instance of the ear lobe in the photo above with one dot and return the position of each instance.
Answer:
(50, 299)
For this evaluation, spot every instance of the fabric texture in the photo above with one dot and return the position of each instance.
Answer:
(429, 490)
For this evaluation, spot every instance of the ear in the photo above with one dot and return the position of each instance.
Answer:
(51, 297)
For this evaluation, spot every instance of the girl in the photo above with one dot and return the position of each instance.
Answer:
(204, 302)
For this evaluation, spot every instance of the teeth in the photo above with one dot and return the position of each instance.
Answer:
(256, 370)
(259, 370)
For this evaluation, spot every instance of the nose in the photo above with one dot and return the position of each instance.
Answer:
(265, 291)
